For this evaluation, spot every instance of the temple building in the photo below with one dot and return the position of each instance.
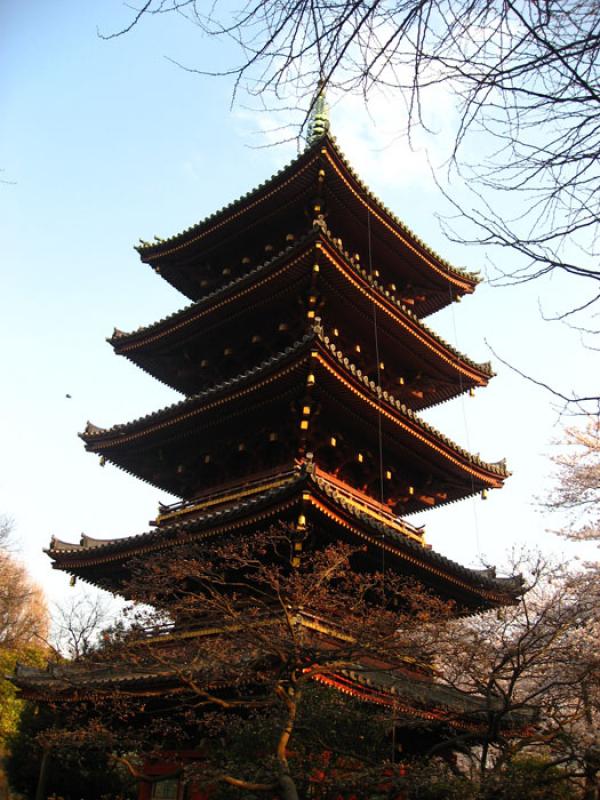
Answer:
(304, 359)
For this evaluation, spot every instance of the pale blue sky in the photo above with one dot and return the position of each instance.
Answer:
(106, 142)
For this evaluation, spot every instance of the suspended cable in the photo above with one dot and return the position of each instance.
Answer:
(378, 376)
(377, 359)
(379, 424)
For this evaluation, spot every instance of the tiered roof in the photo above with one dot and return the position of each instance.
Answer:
(162, 347)
(337, 513)
(426, 279)
(304, 359)
(164, 447)
(412, 694)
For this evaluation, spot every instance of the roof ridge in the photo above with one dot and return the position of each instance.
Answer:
(181, 525)
(92, 431)
(483, 578)
(484, 367)
(146, 248)
(152, 250)
(498, 467)
(458, 271)
(119, 336)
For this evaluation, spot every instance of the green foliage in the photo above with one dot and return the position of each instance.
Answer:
(525, 778)
(433, 780)
(10, 705)
(528, 778)
(72, 773)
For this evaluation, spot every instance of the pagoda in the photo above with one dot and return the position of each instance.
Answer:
(304, 360)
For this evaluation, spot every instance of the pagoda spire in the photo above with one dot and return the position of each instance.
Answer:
(318, 123)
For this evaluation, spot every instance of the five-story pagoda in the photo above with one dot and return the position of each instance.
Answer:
(304, 360)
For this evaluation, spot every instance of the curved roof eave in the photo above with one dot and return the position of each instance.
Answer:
(482, 582)
(99, 440)
(152, 253)
(126, 342)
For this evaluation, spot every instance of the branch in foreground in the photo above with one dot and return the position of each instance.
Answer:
(569, 401)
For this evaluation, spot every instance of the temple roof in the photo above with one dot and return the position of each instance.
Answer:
(105, 563)
(139, 344)
(410, 695)
(266, 201)
(415, 703)
(343, 376)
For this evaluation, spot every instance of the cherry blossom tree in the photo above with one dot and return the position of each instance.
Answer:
(577, 490)
(537, 664)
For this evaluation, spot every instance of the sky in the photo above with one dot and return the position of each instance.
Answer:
(105, 142)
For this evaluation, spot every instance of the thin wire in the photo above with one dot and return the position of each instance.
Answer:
(466, 425)
(379, 420)
(377, 359)
(379, 424)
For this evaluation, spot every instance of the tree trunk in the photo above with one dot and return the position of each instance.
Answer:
(291, 697)
(590, 791)
(40, 792)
